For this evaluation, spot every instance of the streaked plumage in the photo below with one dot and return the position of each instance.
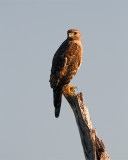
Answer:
(65, 64)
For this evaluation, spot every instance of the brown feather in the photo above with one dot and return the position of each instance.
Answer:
(65, 65)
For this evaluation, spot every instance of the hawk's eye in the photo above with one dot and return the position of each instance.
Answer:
(75, 33)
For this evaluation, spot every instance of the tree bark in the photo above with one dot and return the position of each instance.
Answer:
(93, 148)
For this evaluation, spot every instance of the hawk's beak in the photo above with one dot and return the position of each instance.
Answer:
(70, 34)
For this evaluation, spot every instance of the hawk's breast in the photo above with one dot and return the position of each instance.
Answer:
(73, 60)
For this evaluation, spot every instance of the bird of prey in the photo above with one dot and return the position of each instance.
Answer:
(65, 64)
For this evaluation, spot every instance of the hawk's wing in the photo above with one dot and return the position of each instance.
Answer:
(58, 63)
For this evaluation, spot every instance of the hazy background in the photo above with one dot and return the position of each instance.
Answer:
(30, 33)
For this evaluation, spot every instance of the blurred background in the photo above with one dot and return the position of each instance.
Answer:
(30, 33)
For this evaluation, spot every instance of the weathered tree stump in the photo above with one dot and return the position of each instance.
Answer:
(94, 148)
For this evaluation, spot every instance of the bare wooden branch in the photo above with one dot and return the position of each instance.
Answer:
(94, 148)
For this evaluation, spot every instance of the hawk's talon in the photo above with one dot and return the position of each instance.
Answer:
(69, 90)
(72, 93)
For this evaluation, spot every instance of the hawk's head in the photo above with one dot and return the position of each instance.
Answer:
(74, 34)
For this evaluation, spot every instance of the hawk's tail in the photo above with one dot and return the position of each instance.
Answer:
(57, 95)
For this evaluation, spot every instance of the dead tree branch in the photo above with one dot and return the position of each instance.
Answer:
(94, 148)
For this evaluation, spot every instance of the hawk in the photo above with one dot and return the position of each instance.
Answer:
(65, 64)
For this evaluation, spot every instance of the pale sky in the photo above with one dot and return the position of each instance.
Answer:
(30, 33)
